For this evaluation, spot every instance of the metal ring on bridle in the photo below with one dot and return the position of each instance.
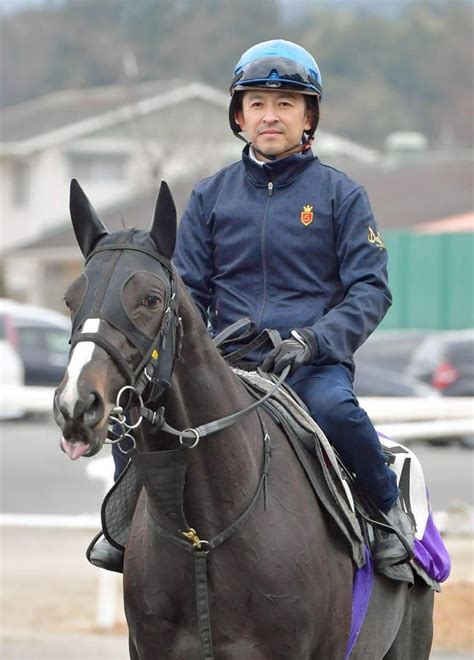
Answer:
(117, 420)
(140, 401)
(201, 543)
(196, 441)
(123, 433)
(134, 444)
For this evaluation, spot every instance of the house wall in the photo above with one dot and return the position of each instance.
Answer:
(185, 140)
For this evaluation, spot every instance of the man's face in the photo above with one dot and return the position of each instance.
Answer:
(274, 120)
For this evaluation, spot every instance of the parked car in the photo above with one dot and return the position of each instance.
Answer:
(39, 337)
(11, 375)
(445, 360)
(382, 365)
(375, 380)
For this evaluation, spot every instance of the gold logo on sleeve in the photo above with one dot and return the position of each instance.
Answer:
(376, 239)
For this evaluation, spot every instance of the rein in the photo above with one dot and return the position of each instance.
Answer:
(195, 434)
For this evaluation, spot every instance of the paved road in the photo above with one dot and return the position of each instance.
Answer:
(36, 477)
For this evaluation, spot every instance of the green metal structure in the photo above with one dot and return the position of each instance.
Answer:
(432, 278)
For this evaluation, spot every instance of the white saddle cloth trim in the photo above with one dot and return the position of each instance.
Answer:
(416, 499)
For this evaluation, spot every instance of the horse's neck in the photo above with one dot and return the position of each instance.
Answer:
(224, 469)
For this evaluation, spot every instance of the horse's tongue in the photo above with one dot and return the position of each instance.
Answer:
(74, 449)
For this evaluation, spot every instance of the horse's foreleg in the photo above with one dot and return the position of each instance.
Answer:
(414, 637)
(132, 649)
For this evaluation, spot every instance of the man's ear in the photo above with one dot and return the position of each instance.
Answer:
(239, 119)
(309, 116)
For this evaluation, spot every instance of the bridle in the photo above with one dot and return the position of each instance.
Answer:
(158, 355)
(153, 374)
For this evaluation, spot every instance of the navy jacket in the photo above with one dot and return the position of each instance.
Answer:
(292, 244)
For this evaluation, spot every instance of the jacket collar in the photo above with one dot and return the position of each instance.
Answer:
(281, 172)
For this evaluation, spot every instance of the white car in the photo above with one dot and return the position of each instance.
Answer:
(11, 374)
(34, 350)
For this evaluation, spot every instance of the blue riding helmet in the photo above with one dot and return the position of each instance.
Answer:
(272, 65)
(276, 64)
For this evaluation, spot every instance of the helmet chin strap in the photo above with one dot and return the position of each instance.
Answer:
(301, 147)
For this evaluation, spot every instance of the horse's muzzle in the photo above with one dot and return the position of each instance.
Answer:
(79, 424)
(75, 449)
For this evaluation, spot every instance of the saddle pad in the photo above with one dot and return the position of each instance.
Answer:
(119, 505)
(431, 554)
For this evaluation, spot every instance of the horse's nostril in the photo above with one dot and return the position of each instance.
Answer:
(94, 409)
(60, 408)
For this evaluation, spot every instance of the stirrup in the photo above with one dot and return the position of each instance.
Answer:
(104, 555)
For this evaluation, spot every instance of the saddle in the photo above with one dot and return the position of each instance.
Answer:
(355, 516)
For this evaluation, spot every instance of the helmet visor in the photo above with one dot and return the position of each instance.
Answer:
(274, 72)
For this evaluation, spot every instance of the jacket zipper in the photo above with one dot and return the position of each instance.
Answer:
(264, 262)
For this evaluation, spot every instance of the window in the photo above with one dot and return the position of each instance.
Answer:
(20, 182)
(98, 167)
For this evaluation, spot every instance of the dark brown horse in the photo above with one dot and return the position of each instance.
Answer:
(279, 585)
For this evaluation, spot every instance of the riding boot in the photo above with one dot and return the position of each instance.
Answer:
(103, 554)
(389, 549)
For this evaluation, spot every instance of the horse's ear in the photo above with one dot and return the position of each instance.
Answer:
(163, 228)
(85, 221)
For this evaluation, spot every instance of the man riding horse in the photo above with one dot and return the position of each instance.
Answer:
(288, 242)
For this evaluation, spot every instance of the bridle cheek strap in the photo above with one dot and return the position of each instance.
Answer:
(156, 368)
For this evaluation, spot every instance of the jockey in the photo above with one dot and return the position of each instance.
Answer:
(288, 242)
(292, 244)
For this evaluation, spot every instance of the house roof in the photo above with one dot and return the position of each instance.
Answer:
(414, 192)
(71, 114)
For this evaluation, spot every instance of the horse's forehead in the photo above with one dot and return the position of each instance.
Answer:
(132, 236)
(116, 265)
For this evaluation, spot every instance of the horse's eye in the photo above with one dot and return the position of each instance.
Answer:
(67, 303)
(151, 302)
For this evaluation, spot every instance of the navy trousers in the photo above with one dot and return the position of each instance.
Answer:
(120, 459)
(328, 393)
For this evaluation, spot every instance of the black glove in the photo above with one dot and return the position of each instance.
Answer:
(295, 351)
